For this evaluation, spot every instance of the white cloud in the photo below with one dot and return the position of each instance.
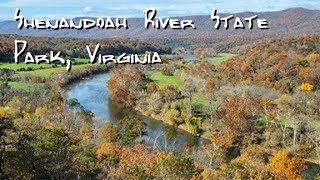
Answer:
(42, 3)
(177, 12)
(4, 17)
(87, 9)
(134, 8)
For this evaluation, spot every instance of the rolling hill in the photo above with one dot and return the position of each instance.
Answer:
(296, 22)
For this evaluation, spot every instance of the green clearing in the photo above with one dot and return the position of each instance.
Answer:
(15, 67)
(19, 85)
(163, 80)
(22, 85)
(43, 70)
(48, 72)
(81, 60)
(220, 58)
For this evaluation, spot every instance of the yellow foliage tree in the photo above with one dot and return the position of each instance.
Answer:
(85, 132)
(244, 82)
(284, 165)
(107, 149)
(306, 87)
(2, 112)
(313, 56)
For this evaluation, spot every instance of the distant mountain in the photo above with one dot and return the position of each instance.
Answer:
(287, 23)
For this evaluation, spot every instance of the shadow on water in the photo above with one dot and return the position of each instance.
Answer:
(93, 95)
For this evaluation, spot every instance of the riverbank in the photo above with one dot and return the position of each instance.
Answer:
(93, 95)
(65, 79)
(183, 127)
(65, 82)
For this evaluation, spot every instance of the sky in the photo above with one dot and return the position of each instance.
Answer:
(134, 8)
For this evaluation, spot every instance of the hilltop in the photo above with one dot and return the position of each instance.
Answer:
(296, 22)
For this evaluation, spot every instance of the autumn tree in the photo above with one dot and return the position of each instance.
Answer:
(285, 165)
(239, 112)
(175, 167)
(6, 128)
(87, 123)
(313, 134)
(188, 90)
(124, 85)
(152, 87)
(124, 132)
(251, 164)
(212, 85)
(129, 129)
(169, 93)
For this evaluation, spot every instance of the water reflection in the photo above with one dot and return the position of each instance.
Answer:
(93, 95)
(190, 57)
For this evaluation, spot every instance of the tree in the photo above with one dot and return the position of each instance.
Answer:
(73, 103)
(6, 128)
(108, 155)
(84, 162)
(188, 90)
(108, 133)
(313, 134)
(152, 87)
(306, 87)
(124, 132)
(169, 93)
(128, 129)
(124, 84)
(212, 85)
(195, 123)
(239, 112)
(175, 167)
(285, 165)
(45, 153)
(294, 108)
(252, 163)
(87, 123)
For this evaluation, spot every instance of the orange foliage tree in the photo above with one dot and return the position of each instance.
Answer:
(284, 165)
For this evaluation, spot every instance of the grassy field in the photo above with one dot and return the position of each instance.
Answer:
(81, 60)
(19, 85)
(23, 86)
(220, 58)
(163, 80)
(43, 70)
(48, 72)
(15, 67)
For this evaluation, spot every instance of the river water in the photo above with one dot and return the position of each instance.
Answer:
(93, 95)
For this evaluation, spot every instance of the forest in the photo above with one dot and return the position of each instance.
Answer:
(76, 48)
(265, 103)
(259, 110)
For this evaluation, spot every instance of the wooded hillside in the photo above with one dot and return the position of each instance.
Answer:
(76, 48)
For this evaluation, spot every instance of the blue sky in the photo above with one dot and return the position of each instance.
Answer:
(134, 8)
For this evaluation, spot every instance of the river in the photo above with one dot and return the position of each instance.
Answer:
(93, 95)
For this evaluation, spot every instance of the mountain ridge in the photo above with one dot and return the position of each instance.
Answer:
(294, 22)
